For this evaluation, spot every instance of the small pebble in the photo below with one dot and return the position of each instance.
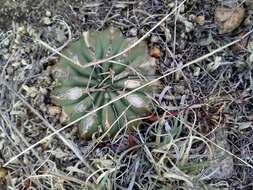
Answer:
(43, 90)
(64, 117)
(6, 42)
(10, 70)
(155, 52)
(48, 13)
(200, 20)
(46, 20)
(228, 19)
(3, 172)
(192, 17)
(21, 29)
(196, 71)
(54, 110)
(154, 39)
(133, 32)
(171, 5)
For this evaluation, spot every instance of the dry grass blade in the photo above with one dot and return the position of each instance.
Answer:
(179, 177)
(131, 185)
(165, 75)
(153, 81)
(65, 141)
(20, 135)
(122, 52)
(198, 131)
(216, 145)
(93, 144)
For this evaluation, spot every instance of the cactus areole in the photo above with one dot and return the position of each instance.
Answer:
(80, 90)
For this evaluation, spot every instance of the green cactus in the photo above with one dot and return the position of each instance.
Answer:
(79, 90)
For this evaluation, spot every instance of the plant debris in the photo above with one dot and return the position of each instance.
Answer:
(199, 107)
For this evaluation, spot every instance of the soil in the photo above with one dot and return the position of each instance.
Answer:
(211, 100)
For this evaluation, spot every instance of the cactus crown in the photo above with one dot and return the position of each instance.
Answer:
(79, 90)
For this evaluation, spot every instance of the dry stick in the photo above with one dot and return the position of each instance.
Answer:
(120, 53)
(130, 92)
(61, 47)
(95, 143)
(216, 145)
(8, 122)
(77, 153)
(107, 15)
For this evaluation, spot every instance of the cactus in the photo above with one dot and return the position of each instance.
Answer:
(79, 90)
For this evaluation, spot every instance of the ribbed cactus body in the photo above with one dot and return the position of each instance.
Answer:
(79, 90)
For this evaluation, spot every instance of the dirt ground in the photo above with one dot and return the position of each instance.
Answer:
(206, 143)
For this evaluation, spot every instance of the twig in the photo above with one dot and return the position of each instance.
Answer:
(120, 53)
(70, 145)
(130, 92)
